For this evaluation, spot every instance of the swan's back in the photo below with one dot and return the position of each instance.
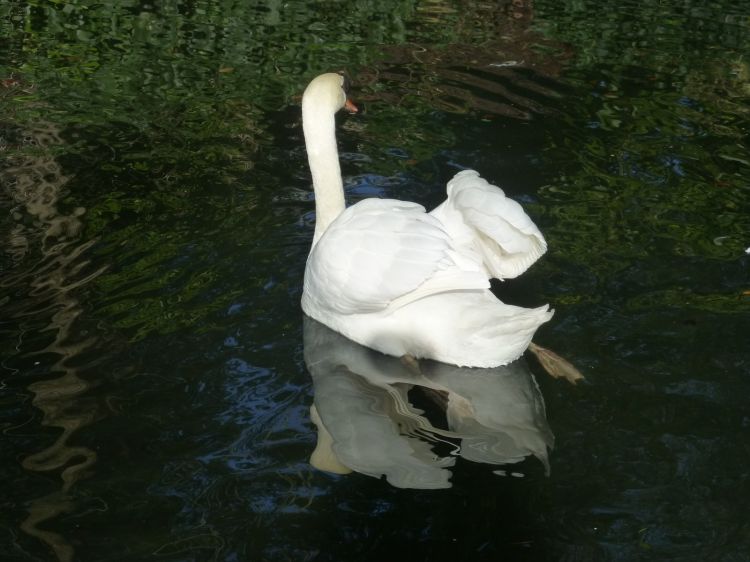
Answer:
(383, 253)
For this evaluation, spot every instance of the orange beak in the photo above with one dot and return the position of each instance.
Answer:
(350, 107)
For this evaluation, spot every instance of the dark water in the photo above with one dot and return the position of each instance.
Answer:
(157, 213)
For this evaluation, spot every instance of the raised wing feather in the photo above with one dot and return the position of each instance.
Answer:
(506, 237)
(384, 253)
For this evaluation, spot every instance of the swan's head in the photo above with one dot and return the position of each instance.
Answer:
(328, 92)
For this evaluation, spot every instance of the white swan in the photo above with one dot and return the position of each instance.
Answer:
(390, 276)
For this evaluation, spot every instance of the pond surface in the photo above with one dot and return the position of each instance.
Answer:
(155, 402)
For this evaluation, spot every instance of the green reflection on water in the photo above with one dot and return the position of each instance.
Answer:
(660, 168)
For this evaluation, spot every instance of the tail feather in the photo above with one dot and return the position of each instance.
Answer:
(474, 328)
(508, 333)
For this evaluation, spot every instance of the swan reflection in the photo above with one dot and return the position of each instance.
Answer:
(367, 423)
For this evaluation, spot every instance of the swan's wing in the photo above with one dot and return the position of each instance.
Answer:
(383, 253)
(507, 238)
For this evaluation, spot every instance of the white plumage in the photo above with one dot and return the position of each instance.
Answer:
(395, 278)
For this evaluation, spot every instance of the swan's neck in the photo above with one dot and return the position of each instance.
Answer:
(320, 139)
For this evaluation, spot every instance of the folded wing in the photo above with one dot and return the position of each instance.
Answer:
(382, 253)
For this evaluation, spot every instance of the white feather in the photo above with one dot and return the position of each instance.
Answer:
(482, 219)
(395, 278)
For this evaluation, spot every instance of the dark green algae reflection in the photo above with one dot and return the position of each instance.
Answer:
(156, 218)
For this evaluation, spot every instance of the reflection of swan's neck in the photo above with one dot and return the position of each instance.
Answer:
(319, 124)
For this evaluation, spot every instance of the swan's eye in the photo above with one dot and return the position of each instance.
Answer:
(345, 84)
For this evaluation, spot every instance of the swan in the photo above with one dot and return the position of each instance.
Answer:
(408, 283)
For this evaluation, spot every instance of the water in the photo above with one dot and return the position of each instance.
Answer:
(157, 215)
